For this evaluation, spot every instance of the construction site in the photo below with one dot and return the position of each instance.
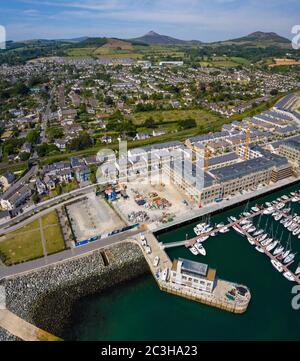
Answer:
(151, 204)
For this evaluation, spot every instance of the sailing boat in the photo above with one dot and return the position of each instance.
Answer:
(287, 249)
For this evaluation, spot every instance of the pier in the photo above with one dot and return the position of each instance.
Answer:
(23, 329)
(217, 298)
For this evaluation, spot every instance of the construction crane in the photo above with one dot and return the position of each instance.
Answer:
(207, 155)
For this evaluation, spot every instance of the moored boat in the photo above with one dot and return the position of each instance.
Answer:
(201, 250)
(271, 246)
(277, 265)
(289, 276)
(194, 250)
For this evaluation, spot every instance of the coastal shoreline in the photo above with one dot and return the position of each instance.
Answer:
(46, 297)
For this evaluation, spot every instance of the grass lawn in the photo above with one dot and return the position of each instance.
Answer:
(68, 187)
(202, 117)
(21, 245)
(52, 232)
(25, 243)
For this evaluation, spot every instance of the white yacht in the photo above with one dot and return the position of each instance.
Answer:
(296, 231)
(251, 241)
(297, 270)
(194, 250)
(260, 249)
(280, 205)
(289, 258)
(266, 242)
(238, 229)
(255, 209)
(201, 250)
(289, 276)
(262, 237)
(268, 210)
(224, 230)
(257, 233)
(284, 254)
(165, 274)
(278, 250)
(277, 265)
(278, 217)
(156, 261)
(271, 246)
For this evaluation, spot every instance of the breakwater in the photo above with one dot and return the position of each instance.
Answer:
(46, 297)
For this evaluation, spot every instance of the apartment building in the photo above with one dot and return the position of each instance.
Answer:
(290, 150)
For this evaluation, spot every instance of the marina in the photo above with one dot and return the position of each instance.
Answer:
(204, 231)
(234, 259)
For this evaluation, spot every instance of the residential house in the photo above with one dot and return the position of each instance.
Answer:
(83, 173)
(7, 180)
(40, 187)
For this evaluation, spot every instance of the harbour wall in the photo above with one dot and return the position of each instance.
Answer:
(46, 297)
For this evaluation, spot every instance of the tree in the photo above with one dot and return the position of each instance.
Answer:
(150, 123)
(83, 141)
(93, 178)
(45, 149)
(187, 123)
(58, 189)
(24, 156)
(35, 198)
(274, 92)
(33, 136)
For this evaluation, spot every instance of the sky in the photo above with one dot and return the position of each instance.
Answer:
(205, 20)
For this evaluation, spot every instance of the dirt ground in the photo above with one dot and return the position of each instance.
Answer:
(167, 191)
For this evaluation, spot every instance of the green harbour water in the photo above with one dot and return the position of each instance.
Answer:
(138, 310)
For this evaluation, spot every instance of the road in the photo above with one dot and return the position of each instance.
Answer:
(37, 216)
(46, 117)
(65, 255)
(57, 201)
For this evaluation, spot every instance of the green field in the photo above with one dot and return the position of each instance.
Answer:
(224, 62)
(135, 52)
(52, 232)
(25, 243)
(202, 117)
(21, 245)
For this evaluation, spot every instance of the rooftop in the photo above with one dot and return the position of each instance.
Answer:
(194, 267)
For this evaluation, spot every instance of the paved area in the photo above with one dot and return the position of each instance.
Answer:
(22, 329)
(92, 216)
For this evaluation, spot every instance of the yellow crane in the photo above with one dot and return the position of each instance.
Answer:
(207, 155)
